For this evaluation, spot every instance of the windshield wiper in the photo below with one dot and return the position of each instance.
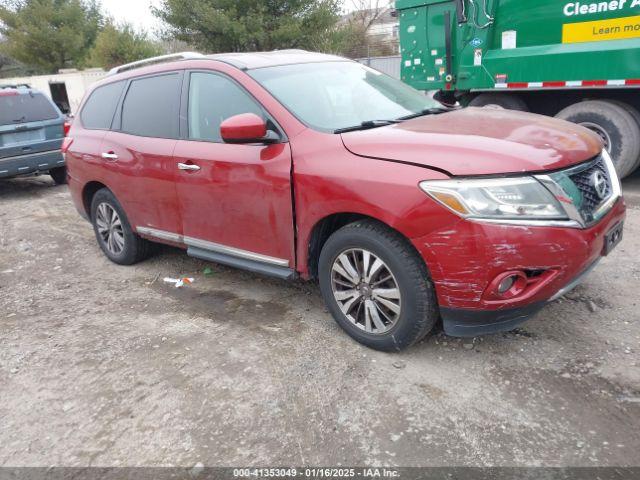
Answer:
(381, 123)
(366, 125)
(427, 111)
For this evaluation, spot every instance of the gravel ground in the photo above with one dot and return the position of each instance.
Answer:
(102, 365)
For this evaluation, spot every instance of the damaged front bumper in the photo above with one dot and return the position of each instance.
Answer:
(471, 323)
(465, 262)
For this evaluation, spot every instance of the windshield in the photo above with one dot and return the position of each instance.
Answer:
(25, 108)
(335, 95)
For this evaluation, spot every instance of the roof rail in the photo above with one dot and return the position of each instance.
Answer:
(172, 57)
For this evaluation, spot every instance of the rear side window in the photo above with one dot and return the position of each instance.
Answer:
(151, 107)
(213, 99)
(29, 107)
(98, 111)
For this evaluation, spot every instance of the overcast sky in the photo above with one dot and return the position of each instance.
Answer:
(138, 12)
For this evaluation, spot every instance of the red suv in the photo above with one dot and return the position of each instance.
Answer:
(296, 164)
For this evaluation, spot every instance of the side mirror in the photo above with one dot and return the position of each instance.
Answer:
(246, 128)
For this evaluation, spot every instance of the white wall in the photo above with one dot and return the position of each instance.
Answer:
(388, 65)
(77, 83)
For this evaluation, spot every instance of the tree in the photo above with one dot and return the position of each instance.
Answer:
(49, 34)
(367, 12)
(4, 61)
(361, 23)
(250, 25)
(120, 44)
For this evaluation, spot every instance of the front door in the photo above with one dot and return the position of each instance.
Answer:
(235, 200)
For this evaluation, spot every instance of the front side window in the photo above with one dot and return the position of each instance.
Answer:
(213, 99)
(333, 95)
(27, 107)
(152, 107)
(98, 111)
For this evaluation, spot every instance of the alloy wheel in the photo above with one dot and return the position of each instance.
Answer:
(110, 228)
(366, 290)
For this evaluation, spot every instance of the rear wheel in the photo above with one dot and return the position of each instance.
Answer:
(614, 124)
(59, 175)
(113, 231)
(636, 116)
(377, 287)
(499, 100)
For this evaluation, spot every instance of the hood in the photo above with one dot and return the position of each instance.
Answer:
(479, 141)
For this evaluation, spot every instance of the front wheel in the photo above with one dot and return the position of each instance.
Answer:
(377, 287)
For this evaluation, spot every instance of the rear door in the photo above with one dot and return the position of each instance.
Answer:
(84, 159)
(138, 153)
(30, 126)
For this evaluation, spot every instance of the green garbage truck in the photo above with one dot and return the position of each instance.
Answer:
(575, 60)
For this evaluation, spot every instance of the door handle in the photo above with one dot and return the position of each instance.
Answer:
(188, 166)
(109, 156)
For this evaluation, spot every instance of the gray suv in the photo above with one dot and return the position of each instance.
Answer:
(31, 133)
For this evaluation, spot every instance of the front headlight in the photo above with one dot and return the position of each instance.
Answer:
(522, 198)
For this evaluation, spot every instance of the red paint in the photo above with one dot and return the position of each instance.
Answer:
(523, 288)
(66, 143)
(241, 197)
(594, 83)
(561, 84)
(554, 84)
(465, 257)
(267, 199)
(243, 128)
(479, 141)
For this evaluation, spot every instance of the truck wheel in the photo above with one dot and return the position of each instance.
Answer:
(113, 231)
(614, 124)
(59, 175)
(636, 115)
(499, 100)
(377, 287)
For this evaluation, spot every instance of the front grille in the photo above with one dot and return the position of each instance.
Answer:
(589, 199)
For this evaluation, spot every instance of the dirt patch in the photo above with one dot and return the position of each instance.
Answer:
(107, 365)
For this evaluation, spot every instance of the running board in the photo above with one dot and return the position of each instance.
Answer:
(242, 263)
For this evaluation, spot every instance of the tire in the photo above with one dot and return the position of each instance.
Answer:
(499, 100)
(418, 305)
(636, 116)
(614, 124)
(133, 248)
(59, 175)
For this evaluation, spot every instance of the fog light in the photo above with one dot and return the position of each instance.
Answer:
(517, 285)
(506, 284)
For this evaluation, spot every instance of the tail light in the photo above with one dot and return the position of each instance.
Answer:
(66, 127)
